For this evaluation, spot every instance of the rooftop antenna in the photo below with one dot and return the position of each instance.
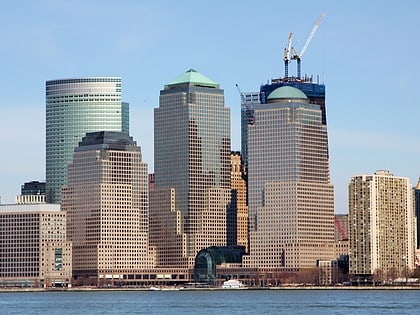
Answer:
(298, 56)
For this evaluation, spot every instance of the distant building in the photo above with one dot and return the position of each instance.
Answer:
(34, 251)
(328, 272)
(107, 204)
(341, 223)
(151, 181)
(32, 192)
(192, 167)
(417, 210)
(249, 100)
(237, 215)
(382, 226)
(73, 108)
(291, 199)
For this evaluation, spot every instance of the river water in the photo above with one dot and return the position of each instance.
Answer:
(213, 302)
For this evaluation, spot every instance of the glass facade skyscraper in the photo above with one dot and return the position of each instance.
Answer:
(73, 108)
(291, 199)
(192, 157)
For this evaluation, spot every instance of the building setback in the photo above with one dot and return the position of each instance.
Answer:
(382, 226)
(192, 162)
(34, 250)
(107, 203)
(73, 108)
(291, 199)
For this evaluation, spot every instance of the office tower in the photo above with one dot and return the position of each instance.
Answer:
(291, 199)
(31, 192)
(417, 210)
(192, 161)
(237, 216)
(107, 206)
(382, 226)
(34, 251)
(73, 108)
(248, 102)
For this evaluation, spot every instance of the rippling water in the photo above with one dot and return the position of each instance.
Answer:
(213, 302)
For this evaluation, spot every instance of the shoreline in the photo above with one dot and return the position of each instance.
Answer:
(165, 289)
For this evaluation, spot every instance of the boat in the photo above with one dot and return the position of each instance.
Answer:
(233, 284)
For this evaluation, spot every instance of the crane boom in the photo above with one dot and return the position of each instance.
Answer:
(308, 40)
(287, 49)
(286, 56)
(298, 56)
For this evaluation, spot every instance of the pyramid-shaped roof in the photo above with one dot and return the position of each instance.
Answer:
(193, 77)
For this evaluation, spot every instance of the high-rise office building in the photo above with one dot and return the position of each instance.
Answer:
(73, 108)
(382, 226)
(291, 199)
(34, 251)
(237, 215)
(417, 210)
(192, 160)
(107, 206)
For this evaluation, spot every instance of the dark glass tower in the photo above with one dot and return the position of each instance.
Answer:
(73, 108)
(417, 210)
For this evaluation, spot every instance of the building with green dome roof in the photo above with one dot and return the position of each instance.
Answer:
(291, 199)
(286, 93)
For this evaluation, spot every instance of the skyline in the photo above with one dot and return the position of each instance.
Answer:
(363, 52)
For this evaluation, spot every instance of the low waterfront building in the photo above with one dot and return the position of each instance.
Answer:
(34, 251)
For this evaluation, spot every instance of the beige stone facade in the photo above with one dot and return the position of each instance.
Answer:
(237, 218)
(34, 250)
(291, 199)
(381, 225)
(107, 203)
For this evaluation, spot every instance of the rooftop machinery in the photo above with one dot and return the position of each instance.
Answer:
(295, 55)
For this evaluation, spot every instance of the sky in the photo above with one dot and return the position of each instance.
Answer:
(365, 52)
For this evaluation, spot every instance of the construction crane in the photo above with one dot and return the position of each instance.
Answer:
(286, 57)
(298, 56)
(241, 94)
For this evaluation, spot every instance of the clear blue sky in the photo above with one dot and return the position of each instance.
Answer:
(366, 52)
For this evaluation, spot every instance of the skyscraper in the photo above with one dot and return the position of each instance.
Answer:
(107, 206)
(73, 108)
(381, 226)
(237, 215)
(192, 160)
(291, 199)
